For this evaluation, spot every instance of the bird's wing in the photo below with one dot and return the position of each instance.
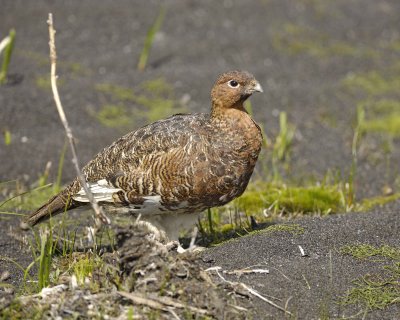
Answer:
(135, 167)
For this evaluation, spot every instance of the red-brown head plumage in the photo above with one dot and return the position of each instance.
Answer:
(231, 89)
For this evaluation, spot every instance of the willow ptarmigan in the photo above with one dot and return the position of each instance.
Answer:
(173, 169)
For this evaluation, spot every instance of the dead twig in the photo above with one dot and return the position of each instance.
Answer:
(302, 252)
(240, 287)
(240, 272)
(159, 303)
(100, 216)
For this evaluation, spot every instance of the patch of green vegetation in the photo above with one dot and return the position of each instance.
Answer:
(39, 193)
(74, 68)
(19, 311)
(28, 200)
(44, 82)
(374, 291)
(284, 138)
(382, 115)
(372, 83)
(7, 137)
(116, 92)
(229, 232)
(294, 229)
(45, 259)
(158, 87)
(114, 116)
(363, 251)
(388, 124)
(370, 203)
(282, 145)
(155, 98)
(290, 199)
(381, 106)
(295, 39)
(84, 266)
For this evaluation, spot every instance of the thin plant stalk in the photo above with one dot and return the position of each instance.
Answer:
(45, 258)
(57, 186)
(210, 221)
(148, 43)
(7, 57)
(100, 216)
(354, 149)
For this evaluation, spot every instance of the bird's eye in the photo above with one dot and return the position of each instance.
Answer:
(233, 84)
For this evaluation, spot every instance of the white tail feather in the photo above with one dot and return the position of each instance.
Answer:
(101, 190)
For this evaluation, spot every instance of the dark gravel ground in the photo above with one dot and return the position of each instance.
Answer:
(310, 285)
(100, 42)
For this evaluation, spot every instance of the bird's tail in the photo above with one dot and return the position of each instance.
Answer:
(59, 203)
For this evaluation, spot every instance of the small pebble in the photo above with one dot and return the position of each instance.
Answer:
(5, 276)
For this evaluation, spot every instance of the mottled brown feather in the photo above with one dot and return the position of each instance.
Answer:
(193, 161)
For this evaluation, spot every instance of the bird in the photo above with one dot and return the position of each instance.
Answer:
(173, 169)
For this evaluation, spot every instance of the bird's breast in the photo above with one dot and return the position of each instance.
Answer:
(223, 169)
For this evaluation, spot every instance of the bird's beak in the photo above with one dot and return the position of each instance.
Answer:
(257, 87)
(252, 87)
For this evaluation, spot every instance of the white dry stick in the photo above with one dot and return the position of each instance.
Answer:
(163, 303)
(302, 252)
(100, 216)
(240, 272)
(248, 289)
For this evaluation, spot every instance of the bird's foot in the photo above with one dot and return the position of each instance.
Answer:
(175, 245)
(172, 245)
(192, 249)
(154, 233)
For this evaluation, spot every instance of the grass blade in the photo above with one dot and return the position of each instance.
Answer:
(149, 39)
(7, 57)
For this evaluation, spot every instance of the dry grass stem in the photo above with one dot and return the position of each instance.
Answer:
(241, 287)
(100, 216)
(159, 303)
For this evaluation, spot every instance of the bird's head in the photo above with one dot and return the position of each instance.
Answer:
(232, 89)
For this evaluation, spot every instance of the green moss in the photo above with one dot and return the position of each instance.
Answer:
(74, 68)
(116, 92)
(114, 116)
(44, 82)
(16, 310)
(7, 137)
(157, 108)
(381, 106)
(288, 199)
(84, 265)
(226, 228)
(387, 124)
(372, 83)
(363, 251)
(31, 199)
(158, 87)
(295, 39)
(83, 268)
(294, 229)
(382, 116)
(154, 100)
(370, 203)
(373, 293)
